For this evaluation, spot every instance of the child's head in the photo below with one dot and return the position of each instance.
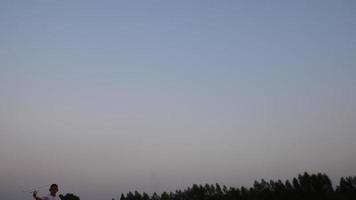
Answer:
(53, 189)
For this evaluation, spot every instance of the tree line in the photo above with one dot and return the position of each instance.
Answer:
(303, 187)
(69, 196)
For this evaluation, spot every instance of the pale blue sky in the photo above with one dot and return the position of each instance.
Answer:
(104, 97)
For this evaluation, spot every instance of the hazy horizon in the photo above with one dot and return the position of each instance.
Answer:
(115, 96)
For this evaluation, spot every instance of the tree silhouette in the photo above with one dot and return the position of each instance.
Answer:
(69, 196)
(304, 187)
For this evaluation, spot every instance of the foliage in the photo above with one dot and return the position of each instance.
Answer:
(69, 196)
(304, 187)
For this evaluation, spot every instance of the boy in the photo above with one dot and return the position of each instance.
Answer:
(51, 196)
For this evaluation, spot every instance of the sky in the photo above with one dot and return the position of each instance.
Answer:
(107, 97)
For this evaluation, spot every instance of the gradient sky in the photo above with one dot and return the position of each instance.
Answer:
(109, 96)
